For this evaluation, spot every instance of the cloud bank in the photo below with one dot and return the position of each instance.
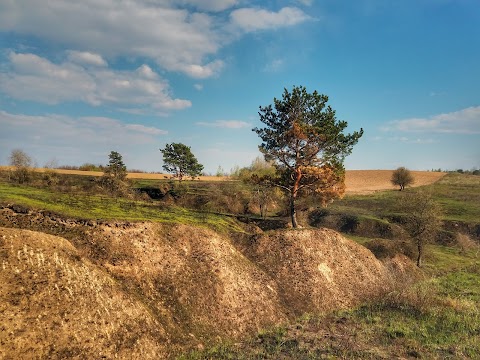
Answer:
(182, 36)
(465, 121)
(35, 78)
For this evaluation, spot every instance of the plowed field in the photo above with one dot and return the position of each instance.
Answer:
(368, 181)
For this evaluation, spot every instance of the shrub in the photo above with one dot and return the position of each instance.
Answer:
(349, 223)
(50, 177)
(90, 167)
(387, 249)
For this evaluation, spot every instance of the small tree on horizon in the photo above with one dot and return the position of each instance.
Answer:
(402, 177)
(116, 168)
(307, 145)
(115, 174)
(179, 160)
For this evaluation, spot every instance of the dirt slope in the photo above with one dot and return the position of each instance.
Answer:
(55, 304)
(319, 270)
(208, 287)
(145, 290)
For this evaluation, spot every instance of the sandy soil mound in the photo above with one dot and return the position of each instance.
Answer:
(208, 287)
(55, 305)
(319, 270)
(145, 290)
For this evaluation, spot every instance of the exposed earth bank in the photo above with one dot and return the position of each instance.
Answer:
(149, 290)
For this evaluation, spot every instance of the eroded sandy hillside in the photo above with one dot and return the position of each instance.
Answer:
(145, 290)
(54, 304)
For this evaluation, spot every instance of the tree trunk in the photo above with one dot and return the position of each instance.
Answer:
(420, 253)
(293, 211)
(293, 196)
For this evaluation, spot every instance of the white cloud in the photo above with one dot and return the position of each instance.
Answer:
(178, 35)
(306, 2)
(274, 66)
(465, 121)
(252, 19)
(404, 139)
(202, 72)
(67, 128)
(145, 129)
(73, 139)
(210, 5)
(226, 124)
(175, 38)
(199, 87)
(34, 78)
(86, 58)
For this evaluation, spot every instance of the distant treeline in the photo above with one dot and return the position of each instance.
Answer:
(84, 167)
(460, 171)
(98, 167)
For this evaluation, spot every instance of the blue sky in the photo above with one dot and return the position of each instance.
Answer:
(81, 78)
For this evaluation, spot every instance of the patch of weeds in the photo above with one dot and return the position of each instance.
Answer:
(461, 284)
(396, 330)
(225, 351)
(385, 249)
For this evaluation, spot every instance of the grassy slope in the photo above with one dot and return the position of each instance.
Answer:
(459, 196)
(107, 208)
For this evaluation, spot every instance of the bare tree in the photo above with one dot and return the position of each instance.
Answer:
(21, 163)
(402, 177)
(421, 220)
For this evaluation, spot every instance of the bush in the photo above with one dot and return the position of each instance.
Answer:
(387, 249)
(91, 167)
(349, 223)
(317, 216)
(50, 177)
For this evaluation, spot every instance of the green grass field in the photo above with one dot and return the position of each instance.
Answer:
(458, 195)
